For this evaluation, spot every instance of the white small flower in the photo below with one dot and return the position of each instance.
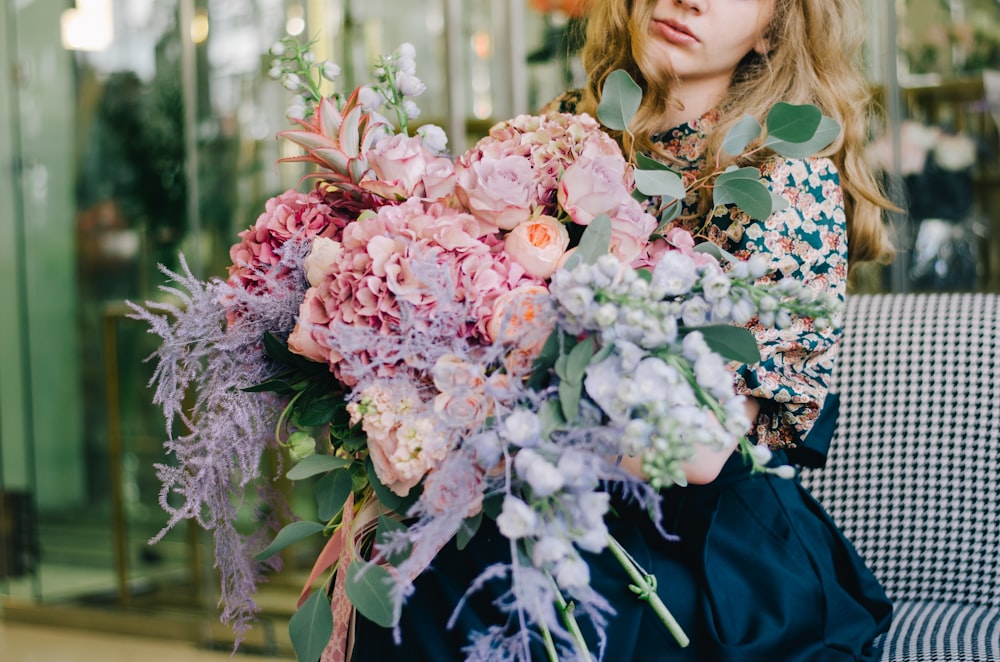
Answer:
(291, 82)
(768, 304)
(593, 507)
(572, 572)
(516, 519)
(411, 109)
(742, 312)
(635, 436)
(330, 70)
(674, 275)
(549, 549)
(694, 312)
(277, 49)
(785, 471)
(606, 315)
(434, 138)
(694, 346)
(409, 85)
(575, 300)
(296, 109)
(715, 285)
(308, 57)
(521, 428)
(761, 453)
(543, 476)
(758, 266)
(370, 99)
(594, 540)
(275, 73)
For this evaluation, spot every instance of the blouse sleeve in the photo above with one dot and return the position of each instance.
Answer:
(806, 241)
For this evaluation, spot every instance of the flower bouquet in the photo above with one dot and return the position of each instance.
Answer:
(433, 340)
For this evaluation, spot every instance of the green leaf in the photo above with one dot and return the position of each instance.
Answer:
(316, 464)
(713, 249)
(367, 587)
(550, 415)
(825, 135)
(279, 386)
(595, 242)
(310, 627)
(620, 99)
(790, 123)
(672, 211)
(385, 526)
(778, 202)
(731, 342)
(750, 195)
(660, 182)
(467, 530)
(569, 399)
(292, 533)
(740, 135)
(319, 410)
(332, 491)
(387, 497)
(578, 360)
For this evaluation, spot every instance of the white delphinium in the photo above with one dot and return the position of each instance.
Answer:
(411, 109)
(516, 519)
(433, 138)
(674, 275)
(542, 476)
(521, 428)
(572, 572)
(329, 70)
(409, 85)
(370, 99)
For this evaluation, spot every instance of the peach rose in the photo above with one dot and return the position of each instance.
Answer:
(537, 245)
(517, 316)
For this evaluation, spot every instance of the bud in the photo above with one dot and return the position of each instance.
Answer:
(785, 471)
(301, 445)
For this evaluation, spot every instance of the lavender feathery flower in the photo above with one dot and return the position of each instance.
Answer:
(227, 428)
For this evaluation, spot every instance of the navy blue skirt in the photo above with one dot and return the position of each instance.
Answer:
(760, 572)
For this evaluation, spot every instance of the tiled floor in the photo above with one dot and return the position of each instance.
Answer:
(34, 643)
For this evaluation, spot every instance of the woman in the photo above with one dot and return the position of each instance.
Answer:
(759, 571)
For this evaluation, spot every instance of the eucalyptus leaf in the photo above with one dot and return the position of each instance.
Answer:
(384, 527)
(550, 415)
(320, 410)
(660, 182)
(595, 242)
(716, 251)
(748, 194)
(332, 491)
(778, 202)
(740, 135)
(620, 99)
(290, 534)
(791, 123)
(310, 627)
(670, 212)
(578, 360)
(368, 588)
(316, 464)
(731, 342)
(827, 132)
(467, 530)
(569, 399)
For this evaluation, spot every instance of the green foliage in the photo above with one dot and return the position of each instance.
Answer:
(332, 491)
(743, 188)
(384, 527)
(594, 242)
(731, 342)
(310, 627)
(620, 99)
(368, 588)
(292, 533)
(316, 464)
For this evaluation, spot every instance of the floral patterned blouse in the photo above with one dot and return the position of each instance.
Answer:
(806, 241)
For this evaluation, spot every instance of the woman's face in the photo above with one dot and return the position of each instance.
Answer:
(702, 41)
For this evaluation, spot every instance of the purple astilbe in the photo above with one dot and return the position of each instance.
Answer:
(212, 344)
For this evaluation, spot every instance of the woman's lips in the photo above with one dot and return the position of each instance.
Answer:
(674, 32)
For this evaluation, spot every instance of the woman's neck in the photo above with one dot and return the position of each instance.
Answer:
(692, 99)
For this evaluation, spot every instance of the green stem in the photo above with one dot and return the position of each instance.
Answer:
(566, 610)
(550, 646)
(645, 588)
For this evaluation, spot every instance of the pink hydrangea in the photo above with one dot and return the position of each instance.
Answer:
(409, 256)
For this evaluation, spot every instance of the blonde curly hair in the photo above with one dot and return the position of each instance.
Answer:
(813, 57)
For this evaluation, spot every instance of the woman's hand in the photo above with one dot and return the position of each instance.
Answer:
(706, 464)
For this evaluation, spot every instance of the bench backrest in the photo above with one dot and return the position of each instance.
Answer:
(913, 476)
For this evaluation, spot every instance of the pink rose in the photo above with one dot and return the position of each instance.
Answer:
(537, 245)
(630, 230)
(323, 255)
(399, 163)
(591, 187)
(453, 374)
(497, 191)
(439, 178)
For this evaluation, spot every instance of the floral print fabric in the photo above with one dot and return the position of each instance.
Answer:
(806, 241)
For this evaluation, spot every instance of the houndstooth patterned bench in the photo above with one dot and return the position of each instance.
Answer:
(913, 476)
